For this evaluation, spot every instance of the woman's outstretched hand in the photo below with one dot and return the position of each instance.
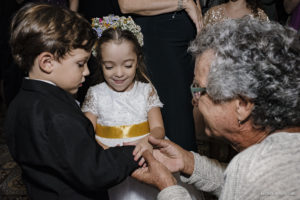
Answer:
(175, 158)
(172, 155)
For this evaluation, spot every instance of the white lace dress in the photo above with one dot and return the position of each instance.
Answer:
(123, 108)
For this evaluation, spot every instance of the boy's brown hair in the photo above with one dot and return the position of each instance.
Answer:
(38, 28)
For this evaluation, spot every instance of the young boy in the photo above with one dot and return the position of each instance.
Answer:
(47, 133)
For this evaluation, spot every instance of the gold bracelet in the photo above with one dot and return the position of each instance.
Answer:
(180, 5)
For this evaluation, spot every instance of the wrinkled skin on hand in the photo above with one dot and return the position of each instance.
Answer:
(155, 173)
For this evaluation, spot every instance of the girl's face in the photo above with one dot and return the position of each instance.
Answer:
(119, 63)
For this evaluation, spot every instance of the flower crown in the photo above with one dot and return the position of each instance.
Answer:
(114, 21)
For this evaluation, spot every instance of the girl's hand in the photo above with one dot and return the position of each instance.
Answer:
(140, 146)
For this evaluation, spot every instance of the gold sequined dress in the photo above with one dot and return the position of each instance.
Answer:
(217, 14)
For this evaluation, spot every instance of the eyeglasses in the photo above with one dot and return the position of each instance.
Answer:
(197, 91)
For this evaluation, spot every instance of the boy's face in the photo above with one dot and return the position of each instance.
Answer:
(69, 73)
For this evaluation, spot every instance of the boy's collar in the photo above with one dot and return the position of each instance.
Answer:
(51, 83)
(46, 81)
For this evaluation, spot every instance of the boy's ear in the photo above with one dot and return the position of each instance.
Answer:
(46, 62)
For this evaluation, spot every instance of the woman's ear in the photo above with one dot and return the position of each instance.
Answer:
(45, 61)
(244, 108)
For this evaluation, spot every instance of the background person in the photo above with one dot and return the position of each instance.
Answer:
(71, 4)
(234, 9)
(292, 7)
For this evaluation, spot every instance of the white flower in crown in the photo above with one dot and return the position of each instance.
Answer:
(114, 21)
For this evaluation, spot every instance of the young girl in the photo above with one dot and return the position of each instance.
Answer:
(124, 107)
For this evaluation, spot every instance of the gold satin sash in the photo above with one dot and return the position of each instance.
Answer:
(123, 131)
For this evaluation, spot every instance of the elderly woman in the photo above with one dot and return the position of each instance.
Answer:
(247, 84)
(233, 9)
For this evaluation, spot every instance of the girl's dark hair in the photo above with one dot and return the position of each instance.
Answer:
(119, 35)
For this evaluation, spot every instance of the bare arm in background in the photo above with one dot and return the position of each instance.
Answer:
(290, 5)
(156, 7)
(73, 5)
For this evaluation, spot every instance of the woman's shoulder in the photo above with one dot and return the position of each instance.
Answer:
(275, 146)
(215, 11)
(214, 14)
(274, 162)
(262, 15)
(217, 8)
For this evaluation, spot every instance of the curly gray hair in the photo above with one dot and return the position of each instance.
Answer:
(255, 60)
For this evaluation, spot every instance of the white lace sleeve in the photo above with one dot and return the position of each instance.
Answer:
(153, 99)
(89, 104)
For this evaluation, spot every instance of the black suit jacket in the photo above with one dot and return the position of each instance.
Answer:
(52, 140)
